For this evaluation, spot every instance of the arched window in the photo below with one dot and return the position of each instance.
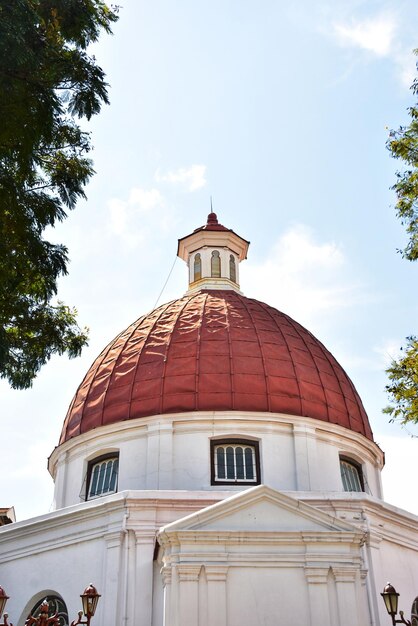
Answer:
(215, 264)
(232, 268)
(351, 475)
(414, 613)
(102, 476)
(197, 269)
(56, 606)
(235, 461)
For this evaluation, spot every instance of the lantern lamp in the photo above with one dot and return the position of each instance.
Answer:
(89, 599)
(390, 597)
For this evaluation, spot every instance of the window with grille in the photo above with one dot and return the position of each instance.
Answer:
(235, 462)
(351, 475)
(102, 476)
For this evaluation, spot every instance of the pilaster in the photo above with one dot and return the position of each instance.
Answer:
(345, 582)
(317, 578)
(160, 455)
(304, 438)
(144, 575)
(188, 609)
(216, 582)
(111, 575)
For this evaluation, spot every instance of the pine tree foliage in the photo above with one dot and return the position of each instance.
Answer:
(47, 81)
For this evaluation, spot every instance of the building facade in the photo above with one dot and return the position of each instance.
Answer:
(216, 468)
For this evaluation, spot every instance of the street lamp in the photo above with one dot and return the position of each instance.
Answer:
(3, 599)
(89, 600)
(390, 597)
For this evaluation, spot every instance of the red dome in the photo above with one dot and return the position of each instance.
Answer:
(214, 351)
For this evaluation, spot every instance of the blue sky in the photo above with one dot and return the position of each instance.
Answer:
(281, 114)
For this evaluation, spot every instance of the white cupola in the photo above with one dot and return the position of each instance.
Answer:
(213, 253)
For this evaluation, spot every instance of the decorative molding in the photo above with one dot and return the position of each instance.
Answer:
(216, 573)
(344, 574)
(113, 539)
(147, 537)
(166, 574)
(188, 573)
(317, 575)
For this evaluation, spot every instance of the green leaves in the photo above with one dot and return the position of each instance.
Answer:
(33, 335)
(46, 78)
(403, 386)
(403, 145)
(403, 372)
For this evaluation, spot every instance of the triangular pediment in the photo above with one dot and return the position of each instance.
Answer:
(260, 509)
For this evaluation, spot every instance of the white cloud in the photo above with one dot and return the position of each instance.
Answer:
(374, 34)
(145, 200)
(118, 216)
(192, 178)
(302, 276)
(127, 216)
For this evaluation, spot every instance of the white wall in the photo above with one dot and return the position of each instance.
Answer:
(110, 542)
(173, 452)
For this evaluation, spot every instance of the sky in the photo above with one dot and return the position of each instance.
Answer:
(280, 111)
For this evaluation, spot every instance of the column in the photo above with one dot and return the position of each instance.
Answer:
(160, 456)
(304, 438)
(216, 580)
(166, 574)
(345, 581)
(317, 578)
(188, 608)
(111, 576)
(144, 578)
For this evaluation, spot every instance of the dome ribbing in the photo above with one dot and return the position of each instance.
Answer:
(213, 351)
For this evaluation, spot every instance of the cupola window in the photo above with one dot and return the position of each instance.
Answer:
(232, 269)
(102, 476)
(215, 264)
(235, 462)
(351, 475)
(197, 269)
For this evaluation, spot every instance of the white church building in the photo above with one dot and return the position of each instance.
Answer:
(216, 467)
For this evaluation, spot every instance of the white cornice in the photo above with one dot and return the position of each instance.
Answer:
(194, 420)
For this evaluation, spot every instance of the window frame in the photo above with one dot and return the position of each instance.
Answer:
(91, 464)
(215, 272)
(232, 268)
(358, 467)
(197, 263)
(250, 443)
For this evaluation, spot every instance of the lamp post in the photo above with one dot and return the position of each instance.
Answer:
(89, 600)
(390, 597)
(3, 600)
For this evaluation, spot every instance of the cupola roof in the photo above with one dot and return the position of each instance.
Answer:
(212, 234)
